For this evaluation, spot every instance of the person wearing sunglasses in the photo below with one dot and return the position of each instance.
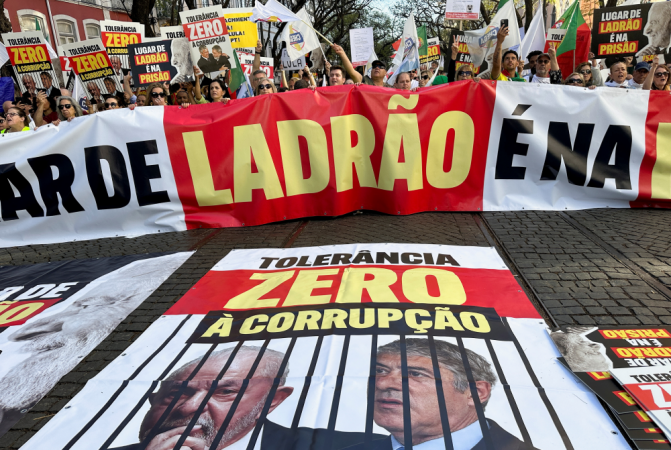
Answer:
(377, 73)
(424, 78)
(547, 68)
(216, 91)
(3, 122)
(591, 76)
(465, 72)
(68, 108)
(264, 87)
(111, 103)
(17, 120)
(575, 79)
(659, 77)
(157, 95)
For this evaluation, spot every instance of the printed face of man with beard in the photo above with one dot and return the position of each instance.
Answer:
(93, 89)
(214, 414)
(29, 83)
(180, 57)
(658, 27)
(116, 63)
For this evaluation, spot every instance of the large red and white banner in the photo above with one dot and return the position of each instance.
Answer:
(463, 147)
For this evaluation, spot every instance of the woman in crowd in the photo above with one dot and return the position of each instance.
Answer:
(68, 109)
(465, 72)
(157, 95)
(216, 92)
(112, 102)
(264, 87)
(3, 122)
(575, 79)
(46, 110)
(590, 76)
(17, 120)
(658, 79)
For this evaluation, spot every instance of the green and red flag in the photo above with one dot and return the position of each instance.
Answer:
(574, 48)
(236, 77)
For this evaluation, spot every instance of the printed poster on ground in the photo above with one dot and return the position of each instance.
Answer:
(31, 62)
(90, 62)
(360, 346)
(52, 315)
(206, 31)
(116, 37)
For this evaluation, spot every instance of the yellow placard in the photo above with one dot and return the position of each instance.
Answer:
(242, 32)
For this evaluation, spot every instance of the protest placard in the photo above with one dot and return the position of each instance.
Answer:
(462, 9)
(90, 62)
(155, 62)
(207, 34)
(241, 31)
(31, 63)
(330, 348)
(246, 61)
(432, 52)
(116, 37)
(288, 64)
(362, 44)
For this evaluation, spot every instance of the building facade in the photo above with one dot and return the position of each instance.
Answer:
(65, 21)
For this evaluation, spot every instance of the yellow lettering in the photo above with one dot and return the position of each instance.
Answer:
(411, 319)
(281, 322)
(288, 132)
(19, 313)
(201, 172)
(368, 318)
(307, 319)
(249, 326)
(307, 281)
(251, 299)
(475, 322)
(353, 283)
(415, 287)
(251, 142)
(462, 151)
(345, 155)
(387, 315)
(334, 317)
(402, 130)
(661, 172)
(221, 327)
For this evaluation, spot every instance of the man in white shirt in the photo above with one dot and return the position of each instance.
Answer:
(425, 418)
(641, 72)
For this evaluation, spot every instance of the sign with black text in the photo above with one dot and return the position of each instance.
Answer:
(90, 62)
(31, 62)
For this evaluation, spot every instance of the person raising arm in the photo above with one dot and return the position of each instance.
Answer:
(378, 71)
(509, 61)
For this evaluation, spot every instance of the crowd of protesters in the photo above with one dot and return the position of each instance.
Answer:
(51, 106)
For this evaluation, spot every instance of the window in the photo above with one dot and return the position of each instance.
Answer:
(66, 32)
(92, 31)
(30, 20)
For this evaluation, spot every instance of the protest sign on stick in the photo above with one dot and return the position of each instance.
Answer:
(91, 63)
(362, 43)
(462, 9)
(241, 31)
(206, 31)
(31, 62)
(116, 37)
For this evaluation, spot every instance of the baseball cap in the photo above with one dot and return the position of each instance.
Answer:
(642, 65)
(377, 61)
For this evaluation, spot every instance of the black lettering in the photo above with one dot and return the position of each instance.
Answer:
(286, 262)
(322, 260)
(120, 183)
(509, 147)
(635, 377)
(363, 257)
(341, 258)
(618, 140)
(406, 258)
(51, 187)
(266, 262)
(446, 259)
(428, 258)
(143, 173)
(575, 158)
(303, 262)
(381, 257)
(10, 203)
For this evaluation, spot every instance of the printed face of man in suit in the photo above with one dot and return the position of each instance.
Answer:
(29, 83)
(93, 89)
(215, 411)
(205, 53)
(116, 63)
(46, 80)
(424, 409)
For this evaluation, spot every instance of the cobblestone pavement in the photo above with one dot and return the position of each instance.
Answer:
(585, 267)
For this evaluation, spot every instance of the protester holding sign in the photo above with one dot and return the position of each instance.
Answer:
(157, 95)
(116, 37)
(29, 56)
(658, 79)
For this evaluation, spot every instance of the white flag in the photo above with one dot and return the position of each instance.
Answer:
(272, 11)
(299, 37)
(369, 65)
(407, 56)
(482, 42)
(79, 94)
(534, 38)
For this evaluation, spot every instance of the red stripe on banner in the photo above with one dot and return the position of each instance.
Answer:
(486, 288)
(380, 121)
(658, 114)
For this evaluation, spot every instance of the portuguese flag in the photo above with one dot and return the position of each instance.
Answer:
(574, 48)
(237, 76)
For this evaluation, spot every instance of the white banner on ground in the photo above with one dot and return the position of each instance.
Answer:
(362, 44)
